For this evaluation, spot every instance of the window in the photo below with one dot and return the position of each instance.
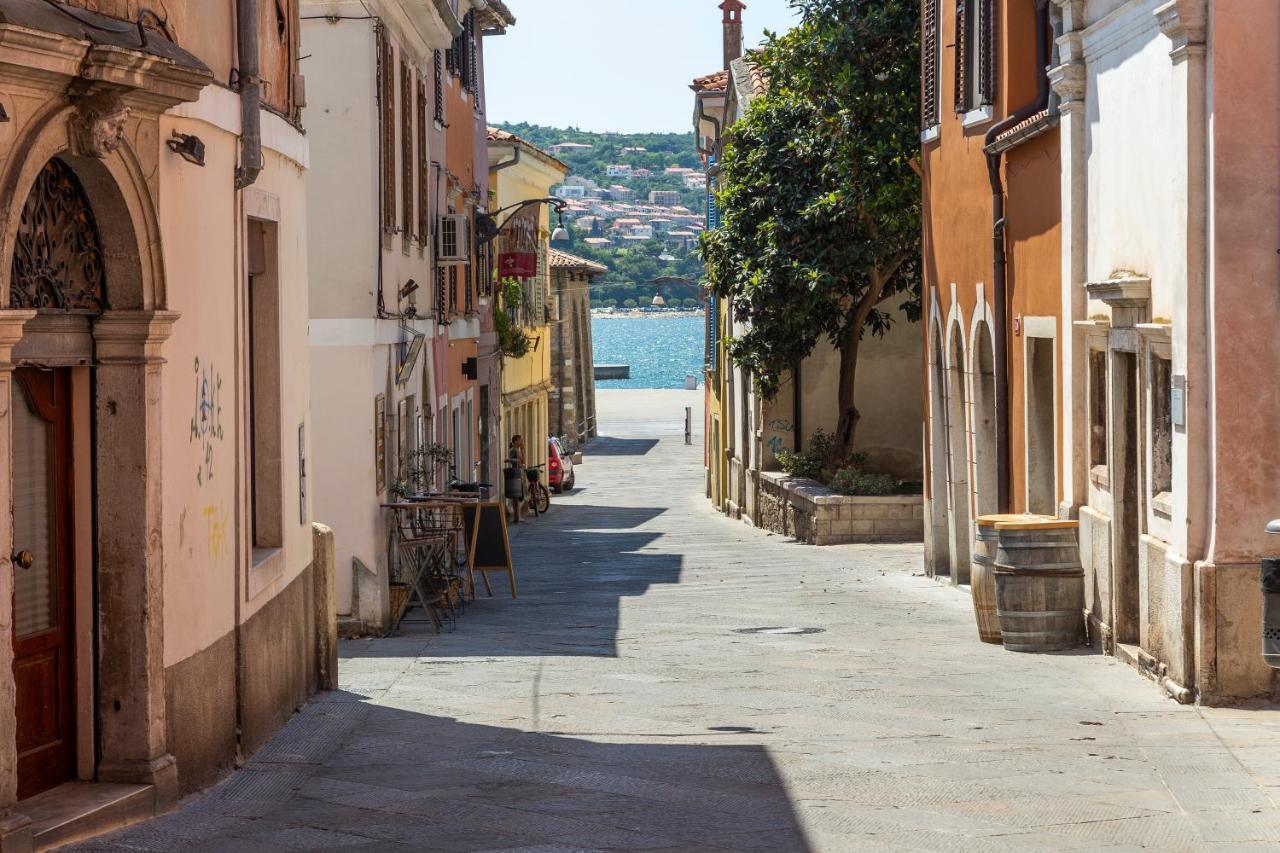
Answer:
(1097, 408)
(424, 190)
(406, 151)
(1160, 392)
(387, 120)
(263, 325)
(439, 81)
(975, 54)
(930, 44)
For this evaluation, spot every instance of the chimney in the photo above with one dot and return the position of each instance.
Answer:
(732, 30)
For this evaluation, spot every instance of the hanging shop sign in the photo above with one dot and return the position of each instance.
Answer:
(519, 255)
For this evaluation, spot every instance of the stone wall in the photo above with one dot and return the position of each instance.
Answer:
(813, 514)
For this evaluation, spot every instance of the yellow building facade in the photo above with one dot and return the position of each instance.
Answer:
(519, 171)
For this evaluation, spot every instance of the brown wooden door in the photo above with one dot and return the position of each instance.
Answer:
(43, 666)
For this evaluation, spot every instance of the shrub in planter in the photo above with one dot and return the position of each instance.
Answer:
(855, 481)
(811, 461)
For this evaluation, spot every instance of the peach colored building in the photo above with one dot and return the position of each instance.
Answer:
(992, 323)
(1170, 181)
(158, 593)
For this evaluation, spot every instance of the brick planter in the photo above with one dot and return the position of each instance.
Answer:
(815, 515)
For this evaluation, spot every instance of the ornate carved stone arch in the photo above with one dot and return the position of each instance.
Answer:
(119, 196)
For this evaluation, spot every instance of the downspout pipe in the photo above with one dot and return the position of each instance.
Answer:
(249, 80)
(999, 278)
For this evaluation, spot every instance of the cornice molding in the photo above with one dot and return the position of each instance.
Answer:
(1186, 23)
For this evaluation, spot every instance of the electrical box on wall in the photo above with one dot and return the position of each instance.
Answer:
(1178, 402)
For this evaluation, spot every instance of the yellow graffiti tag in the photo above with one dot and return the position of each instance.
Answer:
(215, 520)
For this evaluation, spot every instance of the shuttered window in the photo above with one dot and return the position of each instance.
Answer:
(962, 55)
(930, 43)
(424, 210)
(975, 54)
(473, 58)
(986, 53)
(387, 121)
(439, 75)
(406, 149)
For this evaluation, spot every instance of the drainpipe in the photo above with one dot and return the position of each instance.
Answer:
(250, 83)
(999, 227)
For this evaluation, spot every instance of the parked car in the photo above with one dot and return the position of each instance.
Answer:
(559, 467)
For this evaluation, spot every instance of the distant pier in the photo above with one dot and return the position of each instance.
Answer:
(613, 371)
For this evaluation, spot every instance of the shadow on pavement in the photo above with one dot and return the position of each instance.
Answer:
(347, 774)
(573, 568)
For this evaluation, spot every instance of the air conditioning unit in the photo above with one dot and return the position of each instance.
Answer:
(453, 239)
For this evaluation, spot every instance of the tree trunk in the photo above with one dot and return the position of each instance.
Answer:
(847, 426)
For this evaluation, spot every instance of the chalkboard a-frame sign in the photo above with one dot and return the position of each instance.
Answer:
(488, 548)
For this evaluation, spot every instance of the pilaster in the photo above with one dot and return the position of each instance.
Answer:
(131, 703)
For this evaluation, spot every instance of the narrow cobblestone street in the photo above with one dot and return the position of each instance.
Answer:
(670, 679)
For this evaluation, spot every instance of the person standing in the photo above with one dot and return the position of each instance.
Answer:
(515, 475)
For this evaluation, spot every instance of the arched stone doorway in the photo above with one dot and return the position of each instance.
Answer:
(81, 318)
(958, 456)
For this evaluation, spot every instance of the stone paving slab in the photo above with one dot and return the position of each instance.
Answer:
(649, 690)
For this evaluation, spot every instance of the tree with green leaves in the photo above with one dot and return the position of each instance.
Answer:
(819, 194)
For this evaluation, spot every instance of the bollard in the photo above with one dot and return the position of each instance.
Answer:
(688, 424)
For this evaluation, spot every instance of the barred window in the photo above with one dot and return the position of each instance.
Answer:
(930, 42)
(387, 129)
(406, 149)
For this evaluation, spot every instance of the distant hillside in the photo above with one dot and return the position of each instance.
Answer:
(661, 151)
(633, 266)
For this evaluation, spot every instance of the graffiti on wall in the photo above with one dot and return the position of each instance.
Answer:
(215, 529)
(776, 442)
(206, 421)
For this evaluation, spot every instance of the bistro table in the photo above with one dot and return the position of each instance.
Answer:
(425, 535)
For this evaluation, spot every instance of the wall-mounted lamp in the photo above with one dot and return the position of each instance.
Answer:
(561, 234)
(187, 146)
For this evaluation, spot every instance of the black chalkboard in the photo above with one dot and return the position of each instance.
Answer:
(488, 548)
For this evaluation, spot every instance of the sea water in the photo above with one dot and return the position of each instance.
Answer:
(661, 350)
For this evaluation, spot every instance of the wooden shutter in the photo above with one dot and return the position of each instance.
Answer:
(986, 58)
(424, 209)
(439, 69)
(473, 58)
(406, 148)
(929, 43)
(387, 119)
(962, 55)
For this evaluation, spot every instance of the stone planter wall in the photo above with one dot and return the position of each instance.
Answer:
(815, 515)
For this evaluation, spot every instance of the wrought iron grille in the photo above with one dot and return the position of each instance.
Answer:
(57, 256)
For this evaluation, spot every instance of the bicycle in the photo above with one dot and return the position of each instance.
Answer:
(539, 497)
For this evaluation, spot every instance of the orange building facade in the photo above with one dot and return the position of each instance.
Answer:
(992, 267)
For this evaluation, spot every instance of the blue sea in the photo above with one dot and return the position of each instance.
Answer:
(660, 350)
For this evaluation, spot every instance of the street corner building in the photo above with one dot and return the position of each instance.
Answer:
(1100, 358)
(158, 591)
(401, 336)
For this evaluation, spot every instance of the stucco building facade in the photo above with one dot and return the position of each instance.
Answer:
(158, 612)
(573, 391)
(399, 285)
(993, 329)
(1168, 266)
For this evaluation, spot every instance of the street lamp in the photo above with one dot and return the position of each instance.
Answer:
(488, 227)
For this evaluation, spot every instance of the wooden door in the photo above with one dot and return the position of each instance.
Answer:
(43, 664)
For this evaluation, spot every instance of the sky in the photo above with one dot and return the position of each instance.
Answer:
(612, 65)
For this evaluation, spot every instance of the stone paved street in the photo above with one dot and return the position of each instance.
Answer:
(673, 680)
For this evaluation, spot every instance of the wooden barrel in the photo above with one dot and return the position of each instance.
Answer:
(1039, 586)
(983, 580)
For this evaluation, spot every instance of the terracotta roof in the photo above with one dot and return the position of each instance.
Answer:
(502, 137)
(1023, 131)
(749, 80)
(715, 82)
(564, 261)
